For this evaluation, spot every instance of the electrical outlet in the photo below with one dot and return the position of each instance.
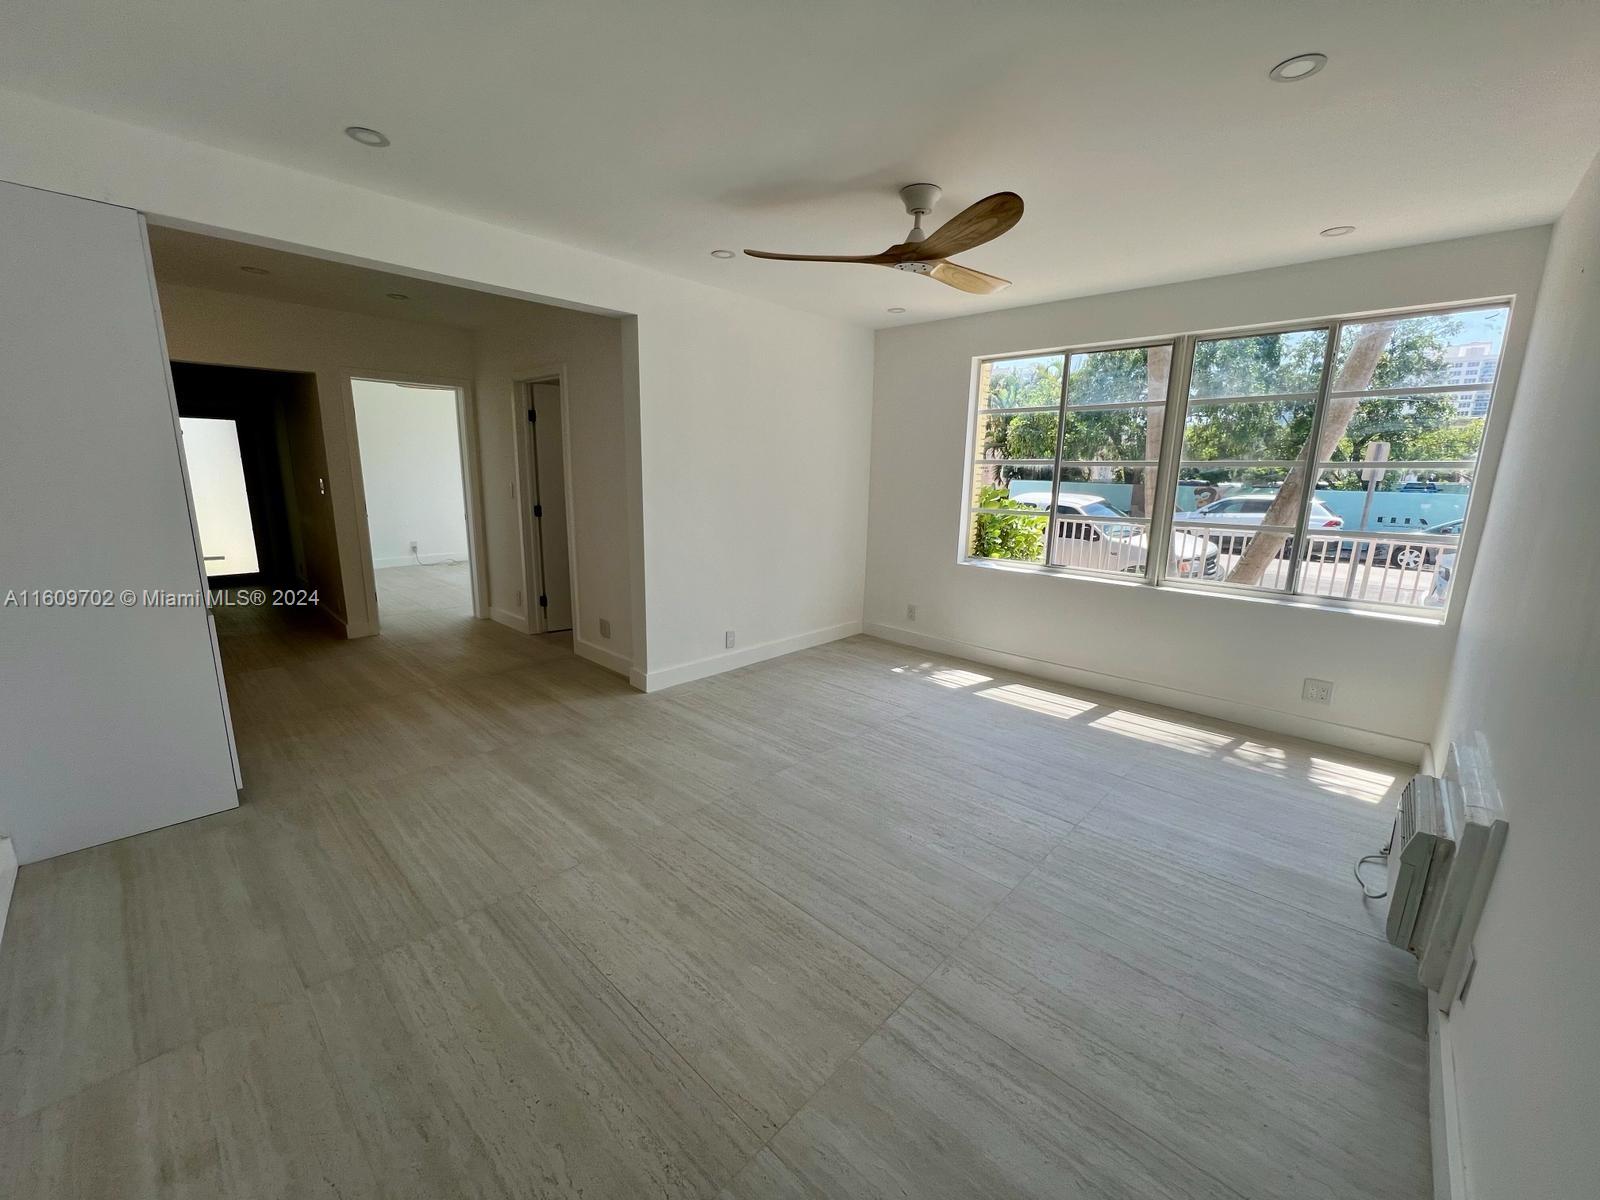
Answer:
(1317, 691)
(727, 640)
(605, 628)
(519, 598)
(413, 547)
(911, 612)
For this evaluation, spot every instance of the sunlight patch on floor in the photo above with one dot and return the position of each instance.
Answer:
(948, 677)
(1051, 704)
(1170, 734)
(1359, 783)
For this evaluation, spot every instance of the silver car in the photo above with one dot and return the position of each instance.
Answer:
(1250, 508)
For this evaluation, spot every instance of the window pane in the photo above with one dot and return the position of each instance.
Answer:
(1021, 382)
(1121, 547)
(1218, 552)
(1431, 428)
(1026, 483)
(1107, 490)
(1264, 365)
(1018, 435)
(1017, 538)
(1395, 501)
(1265, 430)
(1119, 433)
(1427, 350)
(1384, 568)
(1226, 494)
(1132, 376)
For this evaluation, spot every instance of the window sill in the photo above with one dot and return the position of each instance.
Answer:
(1432, 619)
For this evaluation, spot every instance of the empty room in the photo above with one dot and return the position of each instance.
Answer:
(760, 602)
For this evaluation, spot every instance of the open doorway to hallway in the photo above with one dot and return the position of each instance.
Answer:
(415, 471)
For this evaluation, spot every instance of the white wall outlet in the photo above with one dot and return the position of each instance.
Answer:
(413, 547)
(911, 612)
(519, 599)
(605, 628)
(727, 640)
(1317, 691)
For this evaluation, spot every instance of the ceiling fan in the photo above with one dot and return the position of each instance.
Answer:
(929, 253)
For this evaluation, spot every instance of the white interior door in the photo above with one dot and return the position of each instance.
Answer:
(113, 720)
(550, 506)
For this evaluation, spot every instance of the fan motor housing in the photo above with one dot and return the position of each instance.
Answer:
(920, 197)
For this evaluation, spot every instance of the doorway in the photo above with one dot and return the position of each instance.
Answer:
(252, 447)
(415, 472)
(546, 513)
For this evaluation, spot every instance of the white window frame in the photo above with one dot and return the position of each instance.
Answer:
(1168, 468)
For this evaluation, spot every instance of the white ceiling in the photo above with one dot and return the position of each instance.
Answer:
(1143, 135)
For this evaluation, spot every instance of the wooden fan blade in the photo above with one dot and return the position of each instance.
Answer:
(966, 279)
(844, 258)
(972, 226)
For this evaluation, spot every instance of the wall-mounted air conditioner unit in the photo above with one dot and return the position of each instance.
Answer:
(1442, 854)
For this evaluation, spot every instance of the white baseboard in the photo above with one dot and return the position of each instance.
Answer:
(1364, 741)
(8, 881)
(426, 560)
(514, 620)
(716, 664)
(1444, 1111)
(599, 655)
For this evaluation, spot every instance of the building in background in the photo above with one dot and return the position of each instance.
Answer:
(1468, 364)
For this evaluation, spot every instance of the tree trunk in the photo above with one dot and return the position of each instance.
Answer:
(1158, 366)
(1355, 375)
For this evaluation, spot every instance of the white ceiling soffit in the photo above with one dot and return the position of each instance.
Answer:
(225, 265)
(1145, 136)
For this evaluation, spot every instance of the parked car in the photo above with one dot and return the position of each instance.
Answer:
(1408, 556)
(1250, 508)
(1106, 545)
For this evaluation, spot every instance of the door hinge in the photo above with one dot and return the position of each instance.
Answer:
(532, 417)
(544, 602)
(538, 510)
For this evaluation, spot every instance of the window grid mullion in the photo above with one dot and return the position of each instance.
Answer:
(1055, 469)
(1308, 490)
(1169, 466)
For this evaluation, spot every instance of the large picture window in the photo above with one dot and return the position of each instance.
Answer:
(1330, 459)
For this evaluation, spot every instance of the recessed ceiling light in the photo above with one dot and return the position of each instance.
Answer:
(1301, 66)
(255, 270)
(894, 310)
(1338, 230)
(722, 254)
(397, 295)
(367, 137)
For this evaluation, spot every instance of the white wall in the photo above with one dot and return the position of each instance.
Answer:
(755, 483)
(411, 472)
(1236, 658)
(111, 712)
(1526, 1038)
(246, 331)
(769, 545)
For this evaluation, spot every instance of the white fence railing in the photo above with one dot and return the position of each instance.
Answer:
(1369, 566)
